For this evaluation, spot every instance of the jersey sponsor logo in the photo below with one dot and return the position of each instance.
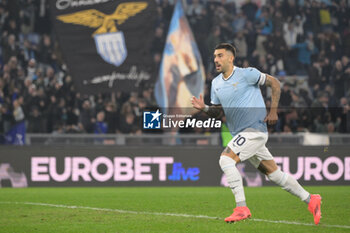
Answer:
(110, 43)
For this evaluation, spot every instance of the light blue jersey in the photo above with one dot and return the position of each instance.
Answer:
(241, 99)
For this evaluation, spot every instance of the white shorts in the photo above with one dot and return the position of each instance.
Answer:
(250, 145)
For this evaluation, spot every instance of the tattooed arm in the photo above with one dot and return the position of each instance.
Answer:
(215, 111)
(275, 85)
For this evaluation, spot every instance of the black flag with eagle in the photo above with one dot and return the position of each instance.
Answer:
(106, 44)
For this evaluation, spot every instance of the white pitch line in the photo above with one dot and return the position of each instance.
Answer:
(167, 214)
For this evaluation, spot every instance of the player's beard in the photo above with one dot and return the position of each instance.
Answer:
(218, 67)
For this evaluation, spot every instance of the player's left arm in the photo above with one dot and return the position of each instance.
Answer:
(275, 85)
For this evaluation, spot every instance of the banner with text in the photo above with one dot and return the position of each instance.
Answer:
(106, 44)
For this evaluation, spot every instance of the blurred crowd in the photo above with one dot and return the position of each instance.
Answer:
(305, 43)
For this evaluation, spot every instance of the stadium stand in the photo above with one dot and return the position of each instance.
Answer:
(306, 44)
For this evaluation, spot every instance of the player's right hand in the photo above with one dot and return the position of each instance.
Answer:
(198, 103)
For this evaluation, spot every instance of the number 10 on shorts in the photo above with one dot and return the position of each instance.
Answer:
(239, 140)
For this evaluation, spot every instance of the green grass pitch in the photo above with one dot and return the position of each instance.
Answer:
(143, 209)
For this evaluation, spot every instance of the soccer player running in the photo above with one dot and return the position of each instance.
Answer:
(236, 92)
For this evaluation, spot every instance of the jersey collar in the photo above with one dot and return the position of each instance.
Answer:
(233, 70)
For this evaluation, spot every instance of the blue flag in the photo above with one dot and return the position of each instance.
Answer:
(181, 73)
(16, 135)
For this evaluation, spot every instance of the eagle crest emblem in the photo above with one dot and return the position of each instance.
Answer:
(110, 43)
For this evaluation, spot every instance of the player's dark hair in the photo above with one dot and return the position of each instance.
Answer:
(228, 47)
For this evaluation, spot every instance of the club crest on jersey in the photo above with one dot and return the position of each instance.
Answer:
(110, 43)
